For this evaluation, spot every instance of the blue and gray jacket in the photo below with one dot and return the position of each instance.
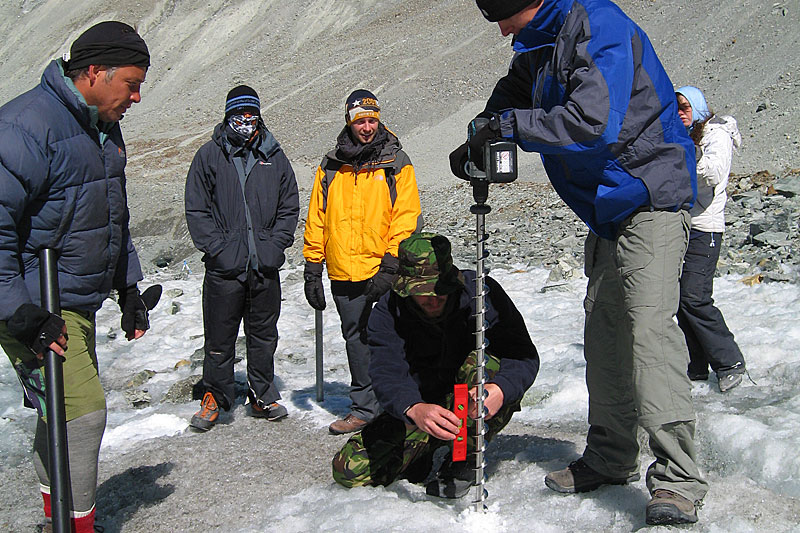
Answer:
(62, 186)
(586, 91)
(241, 204)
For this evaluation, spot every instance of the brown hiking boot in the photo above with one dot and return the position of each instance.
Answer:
(668, 508)
(206, 417)
(350, 424)
(579, 477)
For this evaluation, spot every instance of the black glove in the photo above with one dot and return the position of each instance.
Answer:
(489, 132)
(381, 282)
(315, 293)
(458, 162)
(35, 327)
(135, 308)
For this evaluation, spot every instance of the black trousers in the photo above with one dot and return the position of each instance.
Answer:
(709, 340)
(226, 302)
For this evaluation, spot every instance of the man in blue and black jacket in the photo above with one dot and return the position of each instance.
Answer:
(586, 91)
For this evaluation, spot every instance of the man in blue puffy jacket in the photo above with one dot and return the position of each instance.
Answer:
(62, 186)
(586, 90)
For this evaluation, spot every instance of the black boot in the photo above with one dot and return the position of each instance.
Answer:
(453, 480)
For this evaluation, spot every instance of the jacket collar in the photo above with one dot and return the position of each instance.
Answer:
(542, 30)
(55, 82)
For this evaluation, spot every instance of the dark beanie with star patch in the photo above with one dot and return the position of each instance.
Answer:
(360, 104)
(110, 43)
(497, 10)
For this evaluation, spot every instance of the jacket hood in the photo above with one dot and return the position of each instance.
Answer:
(544, 27)
(728, 124)
(264, 143)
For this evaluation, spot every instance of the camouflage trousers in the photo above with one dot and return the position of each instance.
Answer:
(388, 449)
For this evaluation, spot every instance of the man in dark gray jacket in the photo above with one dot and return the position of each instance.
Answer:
(241, 210)
(62, 186)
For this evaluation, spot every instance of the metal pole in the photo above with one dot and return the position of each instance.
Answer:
(480, 210)
(54, 391)
(318, 338)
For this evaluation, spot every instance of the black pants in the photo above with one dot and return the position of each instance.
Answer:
(709, 340)
(225, 303)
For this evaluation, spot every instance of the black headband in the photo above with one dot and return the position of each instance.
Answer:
(109, 43)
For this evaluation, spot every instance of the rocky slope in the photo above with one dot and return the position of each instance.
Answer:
(431, 65)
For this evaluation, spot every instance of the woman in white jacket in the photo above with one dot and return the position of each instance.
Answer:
(709, 340)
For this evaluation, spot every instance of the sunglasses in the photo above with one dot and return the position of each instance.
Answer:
(243, 120)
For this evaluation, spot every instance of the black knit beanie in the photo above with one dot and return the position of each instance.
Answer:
(497, 10)
(241, 100)
(109, 43)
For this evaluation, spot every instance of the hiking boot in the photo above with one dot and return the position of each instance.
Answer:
(579, 477)
(668, 508)
(272, 412)
(453, 480)
(349, 424)
(729, 382)
(206, 417)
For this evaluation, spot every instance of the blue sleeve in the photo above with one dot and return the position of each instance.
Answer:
(23, 172)
(581, 109)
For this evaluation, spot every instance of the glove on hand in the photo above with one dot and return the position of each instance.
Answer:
(458, 162)
(489, 132)
(35, 327)
(381, 282)
(315, 293)
(135, 308)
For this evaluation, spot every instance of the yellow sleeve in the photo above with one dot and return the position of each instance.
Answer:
(313, 237)
(406, 209)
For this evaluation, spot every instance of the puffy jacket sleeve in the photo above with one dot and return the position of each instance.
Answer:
(288, 206)
(406, 210)
(314, 235)
(596, 85)
(198, 202)
(715, 163)
(23, 174)
(510, 342)
(128, 270)
(392, 383)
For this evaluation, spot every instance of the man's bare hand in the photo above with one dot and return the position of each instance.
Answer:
(493, 402)
(434, 420)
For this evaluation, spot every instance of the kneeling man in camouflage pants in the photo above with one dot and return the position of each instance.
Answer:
(421, 339)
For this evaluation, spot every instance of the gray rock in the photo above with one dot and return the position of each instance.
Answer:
(182, 391)
(789, 187)
(139, 399)
(140, 379)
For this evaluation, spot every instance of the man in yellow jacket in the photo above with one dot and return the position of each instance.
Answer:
(363, 203)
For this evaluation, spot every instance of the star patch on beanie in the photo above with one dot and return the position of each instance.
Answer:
(497, 10)
(241, 100)
(109, 43)
(361, 103)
